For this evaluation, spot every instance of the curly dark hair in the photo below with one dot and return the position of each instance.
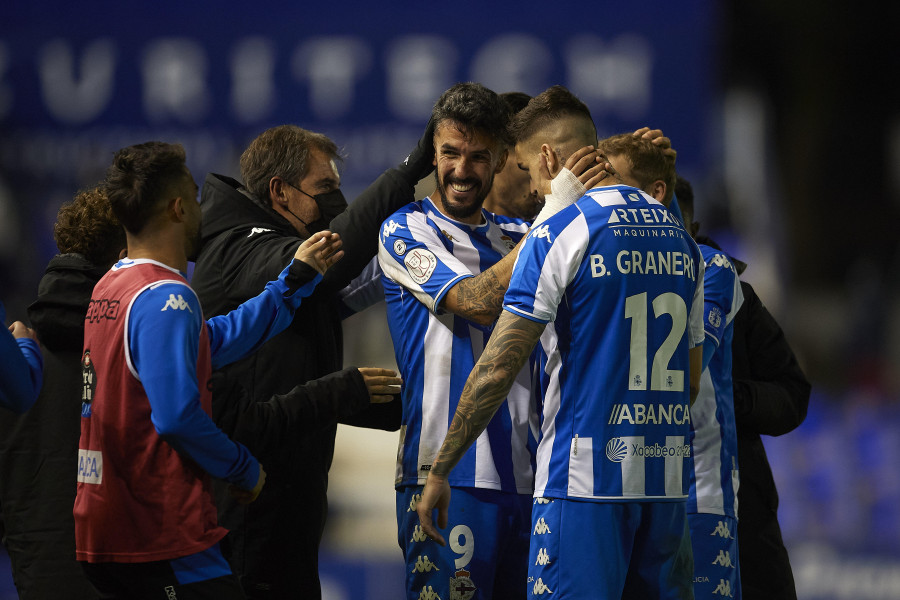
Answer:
(474, 108)
(139, 179)
(87, 226)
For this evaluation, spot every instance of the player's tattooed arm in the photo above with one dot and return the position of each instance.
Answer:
(487, 386)
(480, 298)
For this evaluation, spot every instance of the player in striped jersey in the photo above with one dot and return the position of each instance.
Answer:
(712, 505)
(611, 289)
(446, 266)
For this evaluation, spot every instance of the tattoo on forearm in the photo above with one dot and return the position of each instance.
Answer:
(481, 296)
(487, 386)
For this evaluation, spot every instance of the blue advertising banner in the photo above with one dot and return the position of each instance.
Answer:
(78, 81)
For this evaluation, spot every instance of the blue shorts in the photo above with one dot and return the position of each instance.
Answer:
(487, 546)
(717, 574)
(609, 550)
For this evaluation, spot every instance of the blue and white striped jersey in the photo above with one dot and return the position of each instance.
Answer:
(714, 478)
(423, 254)
(618, 280)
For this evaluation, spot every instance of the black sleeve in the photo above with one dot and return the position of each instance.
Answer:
(386, 416)
(360, 223)
(264, 427)
(771, 392)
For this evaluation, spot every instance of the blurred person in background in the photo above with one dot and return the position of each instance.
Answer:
(39, 450)
(511, 194)
(290, 189)
(771, 397)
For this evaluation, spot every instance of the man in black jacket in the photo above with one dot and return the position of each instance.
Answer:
(39, 452)
(771, 397)
(290, 190)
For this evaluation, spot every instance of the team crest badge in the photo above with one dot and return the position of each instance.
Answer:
(461, 586)
(420, 264)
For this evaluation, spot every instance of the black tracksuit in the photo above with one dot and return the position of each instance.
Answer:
(771, 396)
(273, 543)
(39, 449)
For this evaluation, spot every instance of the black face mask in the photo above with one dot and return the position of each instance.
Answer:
(330, 204)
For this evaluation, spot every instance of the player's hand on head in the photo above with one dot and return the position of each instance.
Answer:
(435, 495)
(244, 496)
(589, 167)
(383, 384)
(320, 250)
(656, 136)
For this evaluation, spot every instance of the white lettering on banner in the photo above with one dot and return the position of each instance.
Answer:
(419, 69)
(332, 65)
(253, 79)
(76, 94)
(513, 61)
(175, 80)
(612, 75)
(90, 466)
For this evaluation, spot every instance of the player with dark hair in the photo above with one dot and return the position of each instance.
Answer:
(511, 194)
(145, 520)
(446, 265)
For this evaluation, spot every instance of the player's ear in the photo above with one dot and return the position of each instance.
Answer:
(553, 163)
(277, 188)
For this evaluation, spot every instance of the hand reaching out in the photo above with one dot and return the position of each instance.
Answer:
(19, 330)
(383, 384)
(320, 250)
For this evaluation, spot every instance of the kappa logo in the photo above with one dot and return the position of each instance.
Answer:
(448, 236)
(542, 232)
(420, 264)
(723, 559)
(102, 309)
(390, 228)
(424, 565)
(723, 589)
(542, 500)
(170, 592)
(428, 593)
(722, 531)
(176, 303)
(540, 588)
(256, 230)
(543, 558)
(541, 527)
(720, 260)
(413, 502)
(418, 534)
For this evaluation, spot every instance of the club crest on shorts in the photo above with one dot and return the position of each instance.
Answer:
(420, 264)
(461, 586)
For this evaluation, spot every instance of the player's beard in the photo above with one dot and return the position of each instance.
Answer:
(463, 211)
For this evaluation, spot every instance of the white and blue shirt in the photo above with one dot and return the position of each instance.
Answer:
(714, 478)
(619, 282)
(423, 254)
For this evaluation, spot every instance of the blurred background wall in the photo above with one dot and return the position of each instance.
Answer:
(785, 117)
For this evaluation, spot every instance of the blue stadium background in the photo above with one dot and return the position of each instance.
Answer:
(770, 107)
